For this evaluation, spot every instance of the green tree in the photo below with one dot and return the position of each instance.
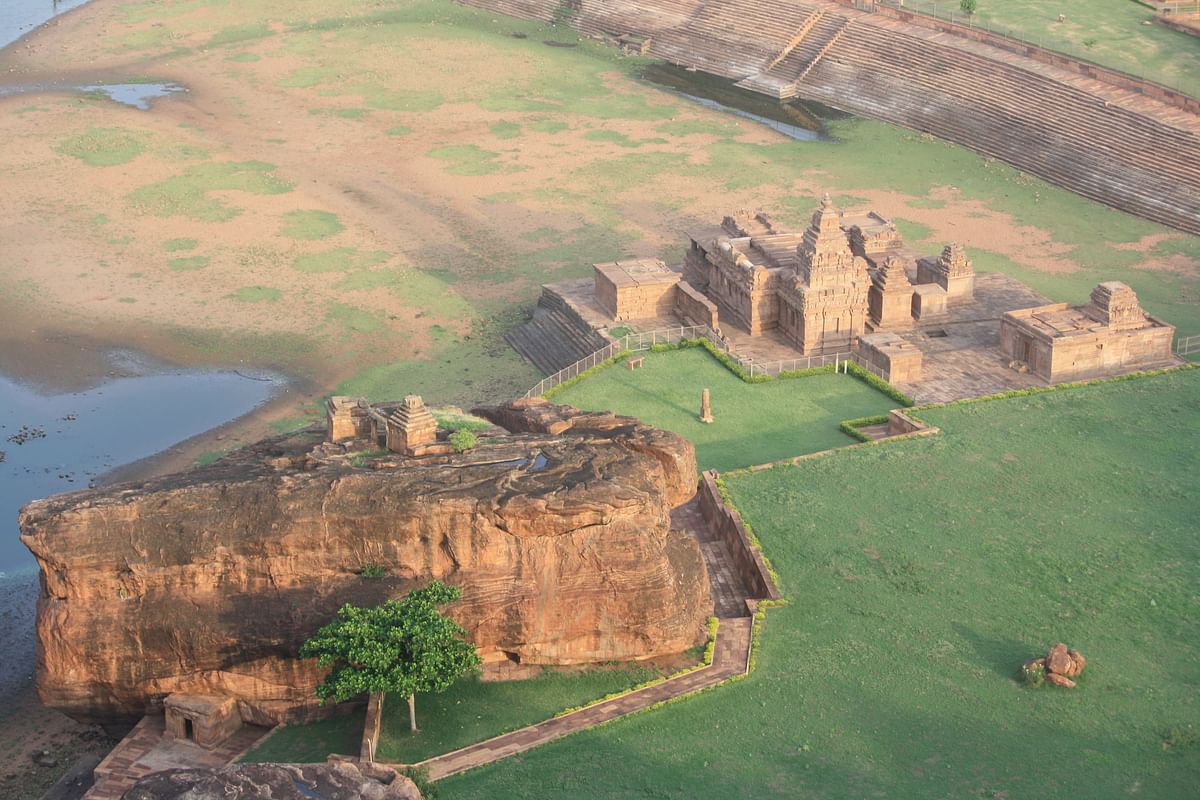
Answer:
(462, 440)
(968, 6)
(403, 646)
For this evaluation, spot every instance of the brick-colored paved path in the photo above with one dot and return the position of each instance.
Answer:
(145, 750)
(731, 658)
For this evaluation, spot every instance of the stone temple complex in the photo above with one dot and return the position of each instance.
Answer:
(849, 288)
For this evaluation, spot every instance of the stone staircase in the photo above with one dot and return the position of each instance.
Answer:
(1111, 144)
(556, 337)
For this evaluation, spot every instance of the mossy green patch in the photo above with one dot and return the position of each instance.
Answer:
(693, 127)
(355, 319)
(104, 147)
(308, 77)
(912, 231)
(186, 195)
(239, 33)
(180, 245)
(189, 263)
(550, 126)
(244, 58)
(422, 290)
(615, 137)
(344, 113)
(387, 99)
(366, 280)
(341, 259)
(399, 130)
(257, 294)
(310, 225)
(467, 159)
(505, 130)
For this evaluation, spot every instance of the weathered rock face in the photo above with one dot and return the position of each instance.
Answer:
(207, 582)
(338, 781)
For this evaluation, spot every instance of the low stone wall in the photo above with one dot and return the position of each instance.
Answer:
(900, 423)
(694, 307)
(371, 728)
(727, 524)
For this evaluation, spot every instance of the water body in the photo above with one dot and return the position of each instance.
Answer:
(803, 121)
(137, 95)
(19, 17)
(64, 442)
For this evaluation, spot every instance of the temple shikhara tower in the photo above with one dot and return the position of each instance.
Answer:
(823, 304)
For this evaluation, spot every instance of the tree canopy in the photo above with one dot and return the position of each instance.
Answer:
(404, 646)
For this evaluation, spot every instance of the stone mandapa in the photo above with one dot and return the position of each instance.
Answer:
(207, 582)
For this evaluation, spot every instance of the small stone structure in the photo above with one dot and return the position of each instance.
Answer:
(889, 300)
(1110, 334)
(348, 418)
(896, 357)
(951, 270)
(706, 408)
(204, 719)
(411, 428)
(928, 300)
(636, 289)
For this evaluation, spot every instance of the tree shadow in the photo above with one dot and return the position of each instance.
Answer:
(1002, 656)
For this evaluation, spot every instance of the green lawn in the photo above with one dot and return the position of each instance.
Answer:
(312, 743)
(472, 710)
(920, 574)
(755, 422)
(1108, 32)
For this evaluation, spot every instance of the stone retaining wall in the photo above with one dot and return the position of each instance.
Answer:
(727, 524)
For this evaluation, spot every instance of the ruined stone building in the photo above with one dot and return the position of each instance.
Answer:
(1108, 335)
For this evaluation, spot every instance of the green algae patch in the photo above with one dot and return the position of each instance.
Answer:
(104, 147)
(311, 225)
(257, 294)
(466, 159)
(187, 195)
(340, 259)
(189, 263)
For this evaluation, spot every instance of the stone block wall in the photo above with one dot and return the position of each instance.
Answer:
(900, 360)
(727, 524)
(1104, 354)
(694, 308)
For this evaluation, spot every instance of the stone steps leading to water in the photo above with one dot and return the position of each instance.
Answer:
(1103, 141)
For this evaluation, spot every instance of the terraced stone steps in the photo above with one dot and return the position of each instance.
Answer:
(556, 337)
(1108, 143)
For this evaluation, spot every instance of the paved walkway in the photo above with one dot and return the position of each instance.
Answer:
(145, 750)
(731, 658)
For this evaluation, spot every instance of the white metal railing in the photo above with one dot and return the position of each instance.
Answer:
(640, 342)
(1187, 345)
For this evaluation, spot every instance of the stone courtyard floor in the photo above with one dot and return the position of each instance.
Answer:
(145, 750)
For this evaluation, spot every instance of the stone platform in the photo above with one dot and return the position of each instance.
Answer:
(961, 348)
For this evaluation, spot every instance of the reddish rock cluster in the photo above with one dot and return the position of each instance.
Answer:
(1060, 664)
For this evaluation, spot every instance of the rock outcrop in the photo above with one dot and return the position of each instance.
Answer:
(208, 581)
(1058, 666)
(336, 781)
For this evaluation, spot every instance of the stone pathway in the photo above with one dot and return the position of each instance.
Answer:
(732, 657)
(145, 750)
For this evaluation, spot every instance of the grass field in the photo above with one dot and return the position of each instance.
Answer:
(312, 743)
(755, 422)
(472, 710)
(920, 575)
(1108, 32)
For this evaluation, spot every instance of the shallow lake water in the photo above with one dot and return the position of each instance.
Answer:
(19, 17)
(63, 442)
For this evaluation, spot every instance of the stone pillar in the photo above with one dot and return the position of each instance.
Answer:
(705, 408)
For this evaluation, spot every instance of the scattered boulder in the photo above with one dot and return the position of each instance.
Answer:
(1059, 665)
(1059, 680)
(335, 781)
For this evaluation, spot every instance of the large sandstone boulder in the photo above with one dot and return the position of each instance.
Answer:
(337, 781)
(207, 582)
